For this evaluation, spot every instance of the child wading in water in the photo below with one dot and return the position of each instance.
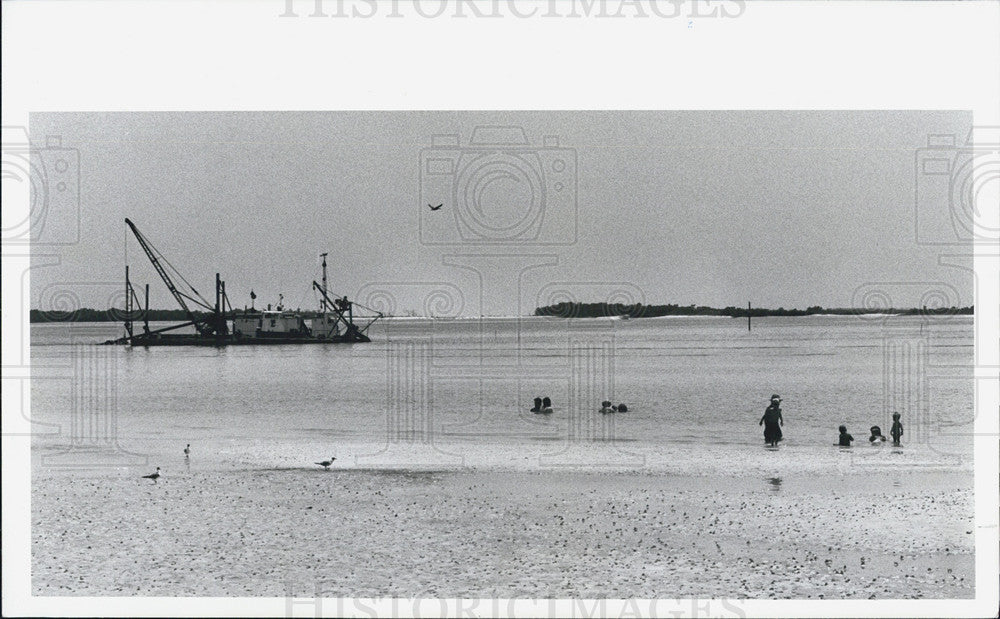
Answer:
(772, 421)
(845, 438)
(876, 438)
(897, 429)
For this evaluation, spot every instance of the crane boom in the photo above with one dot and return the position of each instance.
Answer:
(339, 307)
(178, 296)
(328, 303)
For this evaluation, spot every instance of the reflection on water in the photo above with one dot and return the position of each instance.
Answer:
(775, 483)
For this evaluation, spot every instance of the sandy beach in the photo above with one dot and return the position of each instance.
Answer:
(363, 532)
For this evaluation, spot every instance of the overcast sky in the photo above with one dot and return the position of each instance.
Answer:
(712, 208)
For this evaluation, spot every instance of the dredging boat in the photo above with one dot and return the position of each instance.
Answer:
(338, 320)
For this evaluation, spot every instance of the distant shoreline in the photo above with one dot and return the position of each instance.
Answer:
(598, 310)
(559, 310)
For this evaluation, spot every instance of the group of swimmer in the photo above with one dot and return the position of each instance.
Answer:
(877, 438)
(606, 407)
(772, 422)
(544, 405)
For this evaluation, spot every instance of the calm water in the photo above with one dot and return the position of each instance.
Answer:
(695, 387)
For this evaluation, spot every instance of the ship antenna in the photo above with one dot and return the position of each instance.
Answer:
(323, 300)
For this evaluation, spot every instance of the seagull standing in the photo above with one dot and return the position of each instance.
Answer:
(326, 463)
(153, 476)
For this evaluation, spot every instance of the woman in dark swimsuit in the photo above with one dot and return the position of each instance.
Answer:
(772, 421)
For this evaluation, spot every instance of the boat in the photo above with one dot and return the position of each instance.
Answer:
(337, 321)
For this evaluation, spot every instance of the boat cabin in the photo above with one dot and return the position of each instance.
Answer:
(270, 323)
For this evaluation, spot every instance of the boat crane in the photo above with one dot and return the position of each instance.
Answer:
(210, 326)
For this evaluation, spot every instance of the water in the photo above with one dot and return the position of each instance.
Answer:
(695, 387)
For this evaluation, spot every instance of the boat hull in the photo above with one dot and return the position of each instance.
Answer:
(230, 340)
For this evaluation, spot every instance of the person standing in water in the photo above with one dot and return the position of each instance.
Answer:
(897, 429)
(772, 421)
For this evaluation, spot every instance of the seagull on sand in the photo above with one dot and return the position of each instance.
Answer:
(326, 463)
(153, 476)
(187, 450)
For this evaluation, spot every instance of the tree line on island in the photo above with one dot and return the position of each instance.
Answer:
(639, 310)
(86, 314)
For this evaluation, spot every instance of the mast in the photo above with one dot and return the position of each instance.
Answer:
(219, 318)
(128, 304)
(323, 301)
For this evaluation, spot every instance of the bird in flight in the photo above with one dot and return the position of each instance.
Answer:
(434, 208)
(326, 463)
(187, 450)
(153, 476)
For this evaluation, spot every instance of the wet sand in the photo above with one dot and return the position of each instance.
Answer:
(368, 532)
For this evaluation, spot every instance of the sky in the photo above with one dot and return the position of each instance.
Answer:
(781, 209)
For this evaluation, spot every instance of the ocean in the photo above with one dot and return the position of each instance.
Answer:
(454, 393)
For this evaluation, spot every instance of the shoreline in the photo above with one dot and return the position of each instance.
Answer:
(793, 313)
(552, 455)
